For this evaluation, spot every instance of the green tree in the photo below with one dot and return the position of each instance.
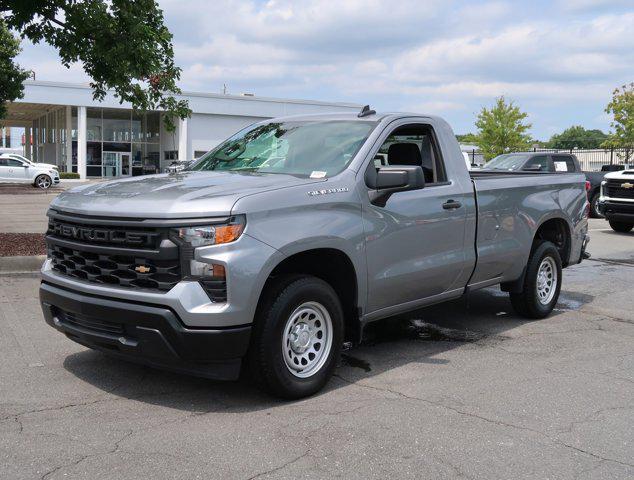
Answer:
(122, 45)
(501, 129)
(467, 138)
(622, 108)
(577, 137)
(11, 75)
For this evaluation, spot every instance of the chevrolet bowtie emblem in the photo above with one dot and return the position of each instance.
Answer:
(627, 185)
(142, 269)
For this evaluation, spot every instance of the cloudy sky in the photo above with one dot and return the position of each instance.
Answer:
(559, 60)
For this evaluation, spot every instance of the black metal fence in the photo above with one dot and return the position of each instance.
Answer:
(590, 159)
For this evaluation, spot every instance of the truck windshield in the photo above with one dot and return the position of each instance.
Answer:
(506, 161)
(314, 149)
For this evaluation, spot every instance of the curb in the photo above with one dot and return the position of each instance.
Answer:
(21, 264)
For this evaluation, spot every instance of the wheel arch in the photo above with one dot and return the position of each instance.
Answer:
(556, 230)
(336, 268)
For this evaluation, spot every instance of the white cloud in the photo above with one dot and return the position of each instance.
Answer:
(435, 107)
(439, 56)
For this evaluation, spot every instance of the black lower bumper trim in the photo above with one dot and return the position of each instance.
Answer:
(620, 212)
(151, 335)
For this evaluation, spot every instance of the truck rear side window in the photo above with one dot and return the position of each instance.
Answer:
(564, 163)
(413, 145)
(539, 163)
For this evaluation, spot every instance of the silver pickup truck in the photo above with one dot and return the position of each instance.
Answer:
(281, 244)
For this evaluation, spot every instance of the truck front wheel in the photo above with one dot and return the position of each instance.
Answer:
(622, 227)
(297, 336)
(542, 283)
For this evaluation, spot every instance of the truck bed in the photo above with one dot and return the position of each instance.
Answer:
(510, 205)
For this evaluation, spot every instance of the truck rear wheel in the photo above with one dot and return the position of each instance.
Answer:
(542, 283)
(622, 227)
(297, 337)
(594, 206)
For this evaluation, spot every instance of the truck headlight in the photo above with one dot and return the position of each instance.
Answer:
(204, 235)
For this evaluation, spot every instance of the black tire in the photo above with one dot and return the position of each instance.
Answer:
(43, 181)
(594, 206)
(528, 303)
(622, 227)
(266, 359)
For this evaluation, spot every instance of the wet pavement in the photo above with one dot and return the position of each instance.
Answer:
(464, 389)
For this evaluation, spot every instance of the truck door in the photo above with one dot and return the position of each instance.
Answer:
(415, 243)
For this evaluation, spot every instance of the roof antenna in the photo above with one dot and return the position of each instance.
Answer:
(365, 112)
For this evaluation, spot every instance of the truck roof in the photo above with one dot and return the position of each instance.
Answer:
(332, 116)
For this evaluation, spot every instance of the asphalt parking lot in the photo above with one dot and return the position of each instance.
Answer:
(460, 390)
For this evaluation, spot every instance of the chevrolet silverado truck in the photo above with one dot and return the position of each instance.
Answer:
(616, 202)
(279, 246)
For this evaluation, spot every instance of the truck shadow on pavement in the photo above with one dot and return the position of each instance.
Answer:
(479, 319)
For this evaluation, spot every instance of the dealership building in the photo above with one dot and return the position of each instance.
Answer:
(68, 128)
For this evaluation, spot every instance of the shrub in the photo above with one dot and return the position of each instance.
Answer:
(68, 175)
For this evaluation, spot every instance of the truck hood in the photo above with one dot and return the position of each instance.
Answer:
(174, 195)
(621, 174)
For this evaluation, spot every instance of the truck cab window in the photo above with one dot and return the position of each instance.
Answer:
(539, 163)
(413, 145)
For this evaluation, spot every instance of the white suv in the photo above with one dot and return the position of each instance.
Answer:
(17, 169)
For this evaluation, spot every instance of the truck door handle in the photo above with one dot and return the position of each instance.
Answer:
(450, 204)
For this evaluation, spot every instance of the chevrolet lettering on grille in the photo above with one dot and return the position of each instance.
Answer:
(102, 235)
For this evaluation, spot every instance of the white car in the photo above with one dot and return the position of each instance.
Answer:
(21, 170)
(24, 159)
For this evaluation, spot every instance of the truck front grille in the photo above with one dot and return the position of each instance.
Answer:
(616, 189)
(122, 256)
(121, 270)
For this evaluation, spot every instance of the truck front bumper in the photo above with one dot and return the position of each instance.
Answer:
(618, 211)
(144, 333)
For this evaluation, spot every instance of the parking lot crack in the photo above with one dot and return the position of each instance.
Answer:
(280, 467)
(51, 409)
(83, 458)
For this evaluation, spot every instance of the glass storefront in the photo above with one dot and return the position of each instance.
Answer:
(119, 142)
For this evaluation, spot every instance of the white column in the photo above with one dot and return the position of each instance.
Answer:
(27, 142)
(81, 142)
(36, 140)
(58, 139)
(182, 140)
(69, 138)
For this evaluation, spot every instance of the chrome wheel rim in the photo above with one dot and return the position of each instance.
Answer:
(546, 280)
(307, 339)
(43, 182)
(596, 207)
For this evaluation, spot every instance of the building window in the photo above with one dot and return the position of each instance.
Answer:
(93, 124)
(171, 154)
(117, 125)
(93, 159)
(111, 130)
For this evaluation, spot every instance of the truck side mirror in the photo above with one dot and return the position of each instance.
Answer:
(385, 181)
